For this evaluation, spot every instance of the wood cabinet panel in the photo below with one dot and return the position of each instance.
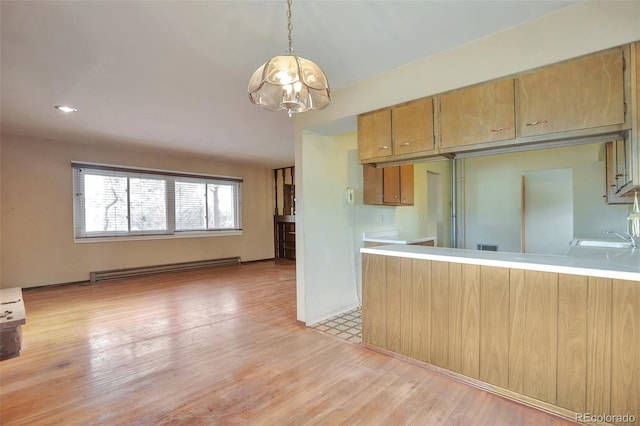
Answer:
(483, 113)
(517, 318)
(374, 297)
(393, 304)
(578, 94)
(572, 342)
(391, 185)
(533, 344)
(421, 309)
(566, 341)
(464, 319)
(372, 181)
(398, 185)
(598, 345)
(406, 184)
(540, 331)
(412, 127)
(439, 350)
(406, 307)
(374, 134)
(455, 316)
(494, 325)
(611, 178)
(625, 361)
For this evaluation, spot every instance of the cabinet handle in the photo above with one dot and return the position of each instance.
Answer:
(535, 123)
(405, 144)
(499, 129)
(383, 147)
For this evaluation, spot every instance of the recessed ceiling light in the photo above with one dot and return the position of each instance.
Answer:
(65, 108)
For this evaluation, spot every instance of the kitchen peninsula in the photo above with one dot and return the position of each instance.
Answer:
(556, 332)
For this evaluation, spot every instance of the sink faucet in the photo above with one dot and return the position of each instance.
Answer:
(627, 237)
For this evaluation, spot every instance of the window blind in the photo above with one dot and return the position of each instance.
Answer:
(113, 201)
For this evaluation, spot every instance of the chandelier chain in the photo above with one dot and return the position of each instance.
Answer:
(290, 26)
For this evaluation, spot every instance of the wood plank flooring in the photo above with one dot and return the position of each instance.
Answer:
(217, 347)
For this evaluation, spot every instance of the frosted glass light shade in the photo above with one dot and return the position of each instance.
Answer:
(289, 83)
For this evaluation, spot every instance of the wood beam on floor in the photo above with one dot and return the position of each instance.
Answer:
(215, 347)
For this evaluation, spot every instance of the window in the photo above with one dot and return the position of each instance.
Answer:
(113, 201)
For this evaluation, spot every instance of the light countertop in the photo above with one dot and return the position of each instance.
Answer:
(394, 237)
(624, 266)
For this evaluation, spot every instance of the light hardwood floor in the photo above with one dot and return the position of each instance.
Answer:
(216, 347)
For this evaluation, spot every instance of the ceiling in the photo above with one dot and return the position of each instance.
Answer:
(174, 74)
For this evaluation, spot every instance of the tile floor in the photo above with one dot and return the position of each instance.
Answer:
(347, 326)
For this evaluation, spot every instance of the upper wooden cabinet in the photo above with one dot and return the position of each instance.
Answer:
(594, 95)
(616, 174)
(401, 132)
(412, 127)
(391, 185)
(398, 185)
(578, 94)
(478, 114)
(374, 135)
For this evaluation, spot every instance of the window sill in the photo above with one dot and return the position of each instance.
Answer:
(179, 235)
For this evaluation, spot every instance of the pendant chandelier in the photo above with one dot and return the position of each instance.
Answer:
(289, 82)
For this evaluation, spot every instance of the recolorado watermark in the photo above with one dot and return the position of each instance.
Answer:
(605, 418)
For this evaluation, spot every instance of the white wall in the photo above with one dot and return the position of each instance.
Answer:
(493, 191)
(570, 32)
(37, 213)
(332, 229)
(327, 230)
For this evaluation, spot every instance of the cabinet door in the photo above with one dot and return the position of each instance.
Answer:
(580, 94)
(374, 134)
(406, 184)
(391, 185)
(398, 185)
(625, 361)
(412, 126)
(484, 113)
(372, 180)
(613, 178)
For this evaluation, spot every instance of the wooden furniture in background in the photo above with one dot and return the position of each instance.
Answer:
(285, 237)
(284, 219)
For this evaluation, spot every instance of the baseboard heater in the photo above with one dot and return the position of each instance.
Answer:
(159, 269)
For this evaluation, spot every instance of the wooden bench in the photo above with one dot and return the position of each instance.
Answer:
(12, 316)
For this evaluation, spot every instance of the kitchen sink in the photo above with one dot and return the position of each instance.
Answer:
(610, 252)
(601, 243)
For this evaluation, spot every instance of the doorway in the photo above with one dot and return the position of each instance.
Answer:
(435, 206)
(547, 211)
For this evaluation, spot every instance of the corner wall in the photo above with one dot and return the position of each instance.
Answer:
(37, 214)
